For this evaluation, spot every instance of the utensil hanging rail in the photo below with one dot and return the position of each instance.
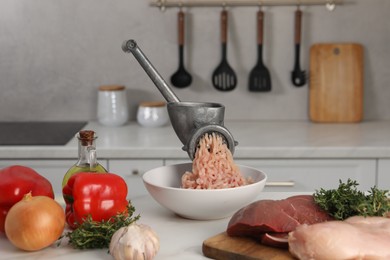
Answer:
(208, 3)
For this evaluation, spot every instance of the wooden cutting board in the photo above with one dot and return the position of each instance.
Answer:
(336, 83)
(224, 247)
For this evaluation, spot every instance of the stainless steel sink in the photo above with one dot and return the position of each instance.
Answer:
(38, 133)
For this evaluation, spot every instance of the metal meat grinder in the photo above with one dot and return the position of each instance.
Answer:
(190, 120)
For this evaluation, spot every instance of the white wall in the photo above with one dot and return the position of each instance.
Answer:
(55, 54)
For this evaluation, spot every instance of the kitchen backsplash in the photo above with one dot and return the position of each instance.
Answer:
(55, 55)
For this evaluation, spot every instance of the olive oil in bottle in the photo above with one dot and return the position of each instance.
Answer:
(87, 161)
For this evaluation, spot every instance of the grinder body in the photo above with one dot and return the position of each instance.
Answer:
(192, 120)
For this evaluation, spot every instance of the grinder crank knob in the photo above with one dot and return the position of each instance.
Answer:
(193, 142)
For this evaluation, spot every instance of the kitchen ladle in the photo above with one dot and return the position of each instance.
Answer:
(190, 120)
(181, 78)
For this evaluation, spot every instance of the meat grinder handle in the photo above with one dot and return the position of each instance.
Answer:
(166, 91)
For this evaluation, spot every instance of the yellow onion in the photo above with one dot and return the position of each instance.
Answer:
(34, 222)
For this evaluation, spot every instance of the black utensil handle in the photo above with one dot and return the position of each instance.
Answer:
(298, 23)
(181, 56)
(297, 66)
(224, 22)
(180, 24)
(260, 26)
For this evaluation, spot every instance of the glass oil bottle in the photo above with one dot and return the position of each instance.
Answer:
(87, 161)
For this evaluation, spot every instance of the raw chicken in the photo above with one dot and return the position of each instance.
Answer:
(354, 238)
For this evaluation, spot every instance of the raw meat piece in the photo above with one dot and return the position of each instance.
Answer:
(355, 238)
(275, 216)
(269, 221)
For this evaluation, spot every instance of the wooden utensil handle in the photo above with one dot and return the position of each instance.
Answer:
(298, 23)
(180, 23)
(224, 21)
(260, 26)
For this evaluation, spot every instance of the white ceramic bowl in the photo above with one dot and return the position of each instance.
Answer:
(163, 184)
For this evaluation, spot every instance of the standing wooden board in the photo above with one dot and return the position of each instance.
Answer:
(225, 247)
(336, 83)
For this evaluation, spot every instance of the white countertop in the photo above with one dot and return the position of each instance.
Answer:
(257, 139)
(179, 238)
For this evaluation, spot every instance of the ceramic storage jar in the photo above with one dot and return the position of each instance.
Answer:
(152, 114)
(112, 107)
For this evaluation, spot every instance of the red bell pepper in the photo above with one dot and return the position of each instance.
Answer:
(15, 182)
(100, 195)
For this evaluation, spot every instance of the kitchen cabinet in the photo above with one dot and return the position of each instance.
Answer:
(176, 161)
(53, 170)
(307, 175)
(384, 174)
(132, 170)
(284, 175)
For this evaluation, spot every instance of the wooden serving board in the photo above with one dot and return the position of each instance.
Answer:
(336, 83)
(225, 247)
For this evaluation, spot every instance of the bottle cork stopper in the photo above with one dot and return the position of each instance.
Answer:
(86, 137)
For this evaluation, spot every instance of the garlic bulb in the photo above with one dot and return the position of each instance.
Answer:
(136, 241)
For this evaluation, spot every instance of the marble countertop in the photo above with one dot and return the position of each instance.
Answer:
(257, 139)
(179, 238)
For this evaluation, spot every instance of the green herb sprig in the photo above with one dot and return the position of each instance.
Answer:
(97, 234)
(347, 201)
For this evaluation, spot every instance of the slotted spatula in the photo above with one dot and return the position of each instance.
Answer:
(259, 77)
(298, 76)
(224, 78)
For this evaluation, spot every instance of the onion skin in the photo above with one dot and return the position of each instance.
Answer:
(34, 222)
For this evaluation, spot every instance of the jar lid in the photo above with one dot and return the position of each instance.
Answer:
(111, 87)
(152, 104)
